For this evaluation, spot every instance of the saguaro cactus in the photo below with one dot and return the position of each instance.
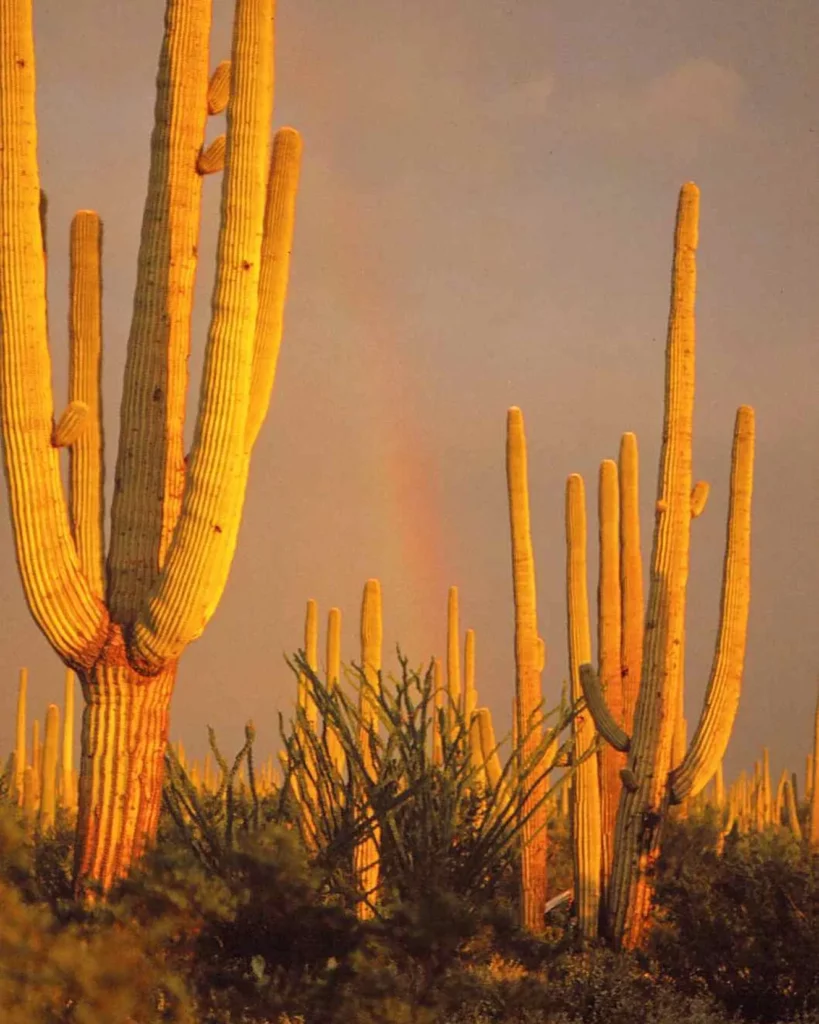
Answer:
(529, 661)
(175, 518)
(587, 845)
(649, 784)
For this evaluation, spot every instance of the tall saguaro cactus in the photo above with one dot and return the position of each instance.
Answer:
(175, 518)
(651, 781)
(529, 663)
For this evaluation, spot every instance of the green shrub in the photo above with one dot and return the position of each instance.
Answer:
(743, 926)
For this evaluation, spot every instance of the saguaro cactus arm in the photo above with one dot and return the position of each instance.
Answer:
(722, 695)
(196, 569)
(150, 469)
(86, 471)
(277, 242)
(60, 597)
(598, 709)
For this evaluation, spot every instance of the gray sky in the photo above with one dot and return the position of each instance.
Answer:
(485, 219)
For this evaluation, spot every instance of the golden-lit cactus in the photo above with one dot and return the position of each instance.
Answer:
(609, 651)
(528, 667)
(367, 851)
(585, 805)
(334, 746)
(631, 576)
(813, 785)
(68, 794)
(175, 518)
(649, 783)
(20, 735)
(470, 701)
(453, 664)
(439, 713)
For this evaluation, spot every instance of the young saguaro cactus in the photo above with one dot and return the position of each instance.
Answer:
(174, 518)
(649, 783)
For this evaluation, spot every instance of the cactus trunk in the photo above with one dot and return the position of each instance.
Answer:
(124, 733)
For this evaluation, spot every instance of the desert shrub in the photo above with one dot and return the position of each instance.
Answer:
(743, 926)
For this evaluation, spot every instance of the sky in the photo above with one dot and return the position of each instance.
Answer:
(485, 219)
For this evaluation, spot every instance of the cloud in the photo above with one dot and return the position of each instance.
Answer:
(694, 101)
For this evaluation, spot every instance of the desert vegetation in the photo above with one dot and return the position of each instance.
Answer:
(392, 856)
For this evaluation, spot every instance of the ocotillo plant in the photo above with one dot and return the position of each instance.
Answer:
(175, 518)
(649, 785)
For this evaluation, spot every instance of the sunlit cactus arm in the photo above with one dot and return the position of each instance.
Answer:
(61, 599)
(198, 562)
(528, 668)
(71, 425)
(277, 244)
(69, 794)
(150, 468)
(586, 822)
(699, 498)
(604, 721)
(85, 465)
(631, 575)
(489, 747)
(722, 695)
(470, 691)
(609, 650)
(219, 88)
(20, 735)
(453, 664)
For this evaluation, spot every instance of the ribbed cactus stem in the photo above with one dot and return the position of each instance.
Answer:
(366, 852)
(813, 813)
(36, 756)
(306, 698)
(489, 747)
(69, 796)
(85, 464)
(640, 811)
(609, 649)
(528, 670)
(20, 735)
(453, 664)
(29, 794)
(439, 712)
(334, 747)
(586, 820)
(48, 800)
(631, 576)
(470, 690)
(791, 812)
(722, 693)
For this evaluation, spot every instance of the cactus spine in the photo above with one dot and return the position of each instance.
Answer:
(528, 667)
(174, 519)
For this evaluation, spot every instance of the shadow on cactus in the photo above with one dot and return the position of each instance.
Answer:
(421, 791)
